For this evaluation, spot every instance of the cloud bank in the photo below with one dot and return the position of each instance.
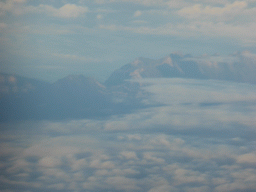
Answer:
(199, 137)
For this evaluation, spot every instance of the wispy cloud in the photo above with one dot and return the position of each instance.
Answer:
(66, 11)
(19, 7)
(200, 11)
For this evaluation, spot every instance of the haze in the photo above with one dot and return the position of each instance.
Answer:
(127, 95)
(52, 39)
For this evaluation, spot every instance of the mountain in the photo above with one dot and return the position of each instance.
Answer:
(11, 84)
(74, 96)
(16, 96)
(240, 69)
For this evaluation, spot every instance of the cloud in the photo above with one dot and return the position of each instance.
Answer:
(247, 158)
(177, 146)
(233, 20)
(129, 154)
(49, 162)
(99, 16)
(137, 14)
(19, 7)
(142, 2)
(14, 6)
(243, 33)
(147, 165)
(66, 11)
(199, 11)
(122, 183)
(163, 188)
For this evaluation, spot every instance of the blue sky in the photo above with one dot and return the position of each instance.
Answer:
(49, 39)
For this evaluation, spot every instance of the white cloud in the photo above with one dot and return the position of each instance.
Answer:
(19, 7)
(122, 183)
(199, 11)
(189, 176)
(129, 154)
(243, 33)
(143, 2)
(137, 14)
(49, 162)
(14, 6)
(165, 168)
(3, 26)
(66, 11)
(247, 158)
(150, 154)
(150, 157)
(99, 16)
(163, 188)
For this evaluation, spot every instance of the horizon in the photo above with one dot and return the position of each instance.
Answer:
(49, 40)
(230, 58)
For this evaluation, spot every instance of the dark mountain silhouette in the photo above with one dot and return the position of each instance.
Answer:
(71, 97)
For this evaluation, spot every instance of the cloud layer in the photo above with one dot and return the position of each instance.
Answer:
(200, 137)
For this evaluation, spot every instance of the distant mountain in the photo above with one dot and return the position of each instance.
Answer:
(14, 84)
(241, 69)
(72, 97)
(76, 96)
(16, 96)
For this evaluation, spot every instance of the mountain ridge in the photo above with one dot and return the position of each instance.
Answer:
(77, 96)
(186, 66)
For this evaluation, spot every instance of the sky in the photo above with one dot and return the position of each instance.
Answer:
(195, 135)
(49, 39)
(201, 137)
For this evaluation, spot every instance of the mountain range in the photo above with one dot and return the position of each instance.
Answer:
(76, 96)
(239, 68)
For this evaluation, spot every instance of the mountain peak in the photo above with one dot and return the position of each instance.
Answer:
(177, 65)
(141, 61)
(137, 61)
(168, 60)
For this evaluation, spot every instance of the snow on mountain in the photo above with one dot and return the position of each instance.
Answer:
(240, 68)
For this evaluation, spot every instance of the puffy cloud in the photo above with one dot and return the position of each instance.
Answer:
(150, 154)
(137, 14)
(122, 183)
(14, 6)
(19, 7)
(129, 154)
(195, 28)
(49, 162)
(163, 188)
(199, 10)
(66, 11)
(142, 2)
(247, 158)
